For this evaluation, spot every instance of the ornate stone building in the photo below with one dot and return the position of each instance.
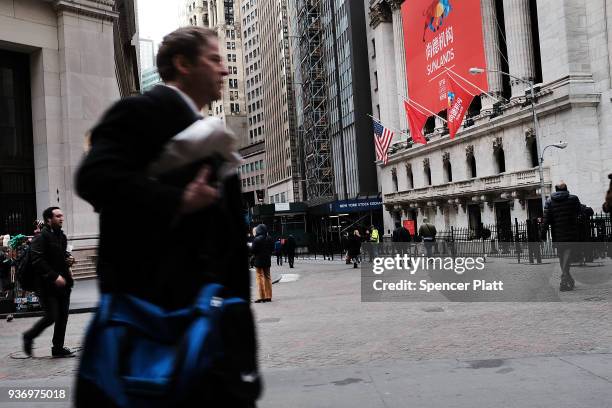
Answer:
(489, 173)
(62, 63)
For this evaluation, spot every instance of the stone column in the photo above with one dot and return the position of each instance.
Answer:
(88, 86)
(400, 63)
(564, 40)
(492, 50)
(380, 20)
(520, 43)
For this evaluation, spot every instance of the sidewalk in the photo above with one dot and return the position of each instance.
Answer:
(569, 381)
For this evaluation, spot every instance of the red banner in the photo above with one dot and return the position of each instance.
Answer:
(416, 121)
(441, 35)
(410, 225)
(458, 102)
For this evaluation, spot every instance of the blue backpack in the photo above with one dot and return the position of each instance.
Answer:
(140, 355)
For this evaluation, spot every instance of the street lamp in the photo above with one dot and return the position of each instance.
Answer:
(475, 71)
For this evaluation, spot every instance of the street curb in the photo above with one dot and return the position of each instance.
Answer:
(40, 313)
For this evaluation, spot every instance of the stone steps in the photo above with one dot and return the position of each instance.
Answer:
(85, 267)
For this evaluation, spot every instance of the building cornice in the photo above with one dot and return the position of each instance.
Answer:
(395, 4)
(100, 9)
(380, 12)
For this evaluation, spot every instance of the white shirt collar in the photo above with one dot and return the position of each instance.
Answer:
(186, 98)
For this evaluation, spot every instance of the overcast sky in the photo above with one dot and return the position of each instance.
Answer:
(157, 18)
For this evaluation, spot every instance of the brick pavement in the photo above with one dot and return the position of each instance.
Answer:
(319, 323)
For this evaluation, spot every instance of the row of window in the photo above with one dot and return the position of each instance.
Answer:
(253, 181)
(278, 198)
(251, 55)
(447, 167)
(258, 131)
(255, 119)
(234, 108)
(254, 106)
(248, 5)
(249, 17)
(254, 93)
(253, 166)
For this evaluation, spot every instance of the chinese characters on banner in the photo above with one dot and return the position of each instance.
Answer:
(441, 35)
(458, 102)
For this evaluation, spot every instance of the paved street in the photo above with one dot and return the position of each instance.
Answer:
(320, 346)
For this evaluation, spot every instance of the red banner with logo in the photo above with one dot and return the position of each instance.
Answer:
(458, 102)
(441, 35)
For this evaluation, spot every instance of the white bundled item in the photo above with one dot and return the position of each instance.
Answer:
(204, 138)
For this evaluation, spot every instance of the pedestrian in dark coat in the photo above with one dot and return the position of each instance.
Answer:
(51, 261)
(262, 249)
(354, 248)
(561, 213)
(194, 233)
(278, 251)
(400, 234)
(289, 248)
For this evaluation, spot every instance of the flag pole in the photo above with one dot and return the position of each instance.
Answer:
(421, 107)
(472, 84)
(389, 127)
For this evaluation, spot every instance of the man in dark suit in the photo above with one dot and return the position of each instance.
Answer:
(561, 213)
(162, 239)
(52, 262)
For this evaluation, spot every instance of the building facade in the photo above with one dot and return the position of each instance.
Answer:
(253, 146)
(146, 53)
(489, 174)
(62, 63)
(149, 78)
(349, 103)
(283, 171)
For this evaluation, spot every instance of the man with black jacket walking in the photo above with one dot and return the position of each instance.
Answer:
(115, 177)
(52, 262)
(561, 213)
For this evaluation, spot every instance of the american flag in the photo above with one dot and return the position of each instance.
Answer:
(382, 141)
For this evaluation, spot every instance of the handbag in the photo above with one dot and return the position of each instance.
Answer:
(139, 354)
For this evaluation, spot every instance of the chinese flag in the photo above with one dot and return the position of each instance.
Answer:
(459, 101)
(416, 121)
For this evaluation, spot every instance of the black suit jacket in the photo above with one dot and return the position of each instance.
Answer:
(146, 248)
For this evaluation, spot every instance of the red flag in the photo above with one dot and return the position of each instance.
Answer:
(459, 101)
(416, 121)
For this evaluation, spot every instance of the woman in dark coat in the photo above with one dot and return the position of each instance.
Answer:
(262, 251)
(354, 248)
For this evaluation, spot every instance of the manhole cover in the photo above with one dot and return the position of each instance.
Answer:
(269, 320)
(433, 309)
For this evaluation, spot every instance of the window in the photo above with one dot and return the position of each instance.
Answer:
(472, 166)
(499, 155)
(373, 48)
(409, 178)
(448, 171)
(532, 151)
(427, 172)
(394, 180)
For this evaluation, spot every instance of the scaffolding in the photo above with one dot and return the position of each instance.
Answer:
(317, 151)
